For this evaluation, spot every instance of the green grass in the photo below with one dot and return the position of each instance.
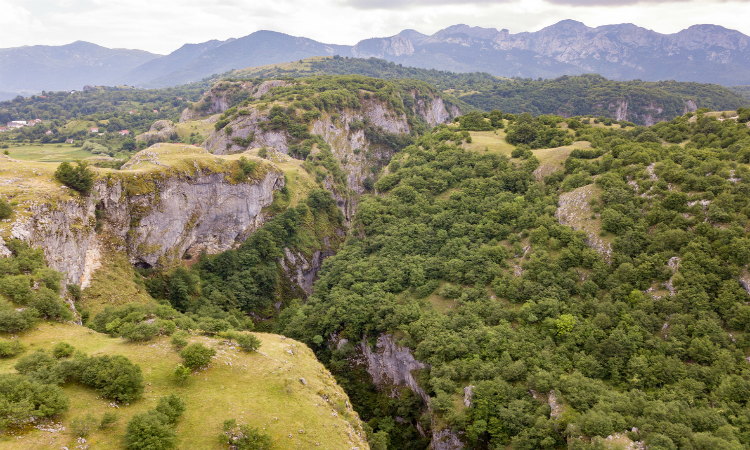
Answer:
(261, 389)
(493, 141)
(48, 152)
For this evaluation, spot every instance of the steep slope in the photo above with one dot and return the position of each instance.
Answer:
(281, 390)
(640, 102)
(168, 200)
(361, 119)
(701, 53)
(259, 48)
(57, 68)
(157, 68)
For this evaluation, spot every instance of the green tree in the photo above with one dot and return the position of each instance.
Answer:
(79, 178)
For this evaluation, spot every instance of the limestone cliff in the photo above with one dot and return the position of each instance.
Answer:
(169, 199)
(342, 129)
(392, 365)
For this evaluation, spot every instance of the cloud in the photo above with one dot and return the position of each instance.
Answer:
(405, 4)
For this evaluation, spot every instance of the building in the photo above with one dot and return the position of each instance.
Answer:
(16, 124)
(94, 130)
(68, 141)
(49, 133)
(124, 133)
(3, 129)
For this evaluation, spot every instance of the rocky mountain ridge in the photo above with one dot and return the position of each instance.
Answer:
(702, 53)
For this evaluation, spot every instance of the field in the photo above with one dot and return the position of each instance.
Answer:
(279, 390)
(48, 152)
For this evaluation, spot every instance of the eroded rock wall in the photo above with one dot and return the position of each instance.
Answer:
(182, 213)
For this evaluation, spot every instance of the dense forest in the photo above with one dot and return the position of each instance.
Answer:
(568, 95)
(462, 259)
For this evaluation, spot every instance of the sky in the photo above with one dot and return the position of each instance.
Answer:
(162, 26)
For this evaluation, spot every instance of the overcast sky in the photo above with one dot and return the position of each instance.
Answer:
(161, 26)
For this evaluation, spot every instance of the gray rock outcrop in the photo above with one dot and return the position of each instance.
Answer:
(160, 131)
(181, 213)
(391, 364)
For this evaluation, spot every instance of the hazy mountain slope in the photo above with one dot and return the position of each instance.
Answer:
(259, 48)
(702, 53)
(160, 67)
(54, 68)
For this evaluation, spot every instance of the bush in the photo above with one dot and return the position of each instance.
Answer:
(22, 399)
(109, 418)
(82, 426)
(248, 342)
(150, 431)
(181, 374)
(113, 377)
(172, 407)
(79, 178)
(50, 305)
(242, 437)
(12, 321)
(41, 367)
(10, 348)
(62, 350)
(179, 339)
(5, 209)
(197, 355)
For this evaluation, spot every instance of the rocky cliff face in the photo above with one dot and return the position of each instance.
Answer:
(392, 365)
(204, 212)
(703, 53)
(157, 214)
(348, 143)
(64, 231)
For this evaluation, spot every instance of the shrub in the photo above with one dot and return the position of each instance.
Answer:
(179, 339)
(40, 366)
(242, 437)
(247, 341)
(113, 377)
(181, 374)
(10, 348)
(150, 431)
(17, 288)
(108, 419)
(172, 407)
(79, 178)
(197, 355)
(22, 398)
(82, 426)
(62, 350)
(12, 321)
(50, 305)
(5, 209)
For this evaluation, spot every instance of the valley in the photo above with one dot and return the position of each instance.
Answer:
(440, 276)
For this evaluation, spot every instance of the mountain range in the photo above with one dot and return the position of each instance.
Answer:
(702, 53)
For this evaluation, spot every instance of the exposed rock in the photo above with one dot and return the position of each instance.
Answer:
(160, 131)
(445, 439)
(391, 364)
(64, 231)
(203, 211)
(468, 394)
(301, 271)
(745, 279)
(574, 210)
(380, 47)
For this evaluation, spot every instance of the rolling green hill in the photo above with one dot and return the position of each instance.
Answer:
(635, 101)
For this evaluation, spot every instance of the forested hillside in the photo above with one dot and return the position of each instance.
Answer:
(637, 101)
